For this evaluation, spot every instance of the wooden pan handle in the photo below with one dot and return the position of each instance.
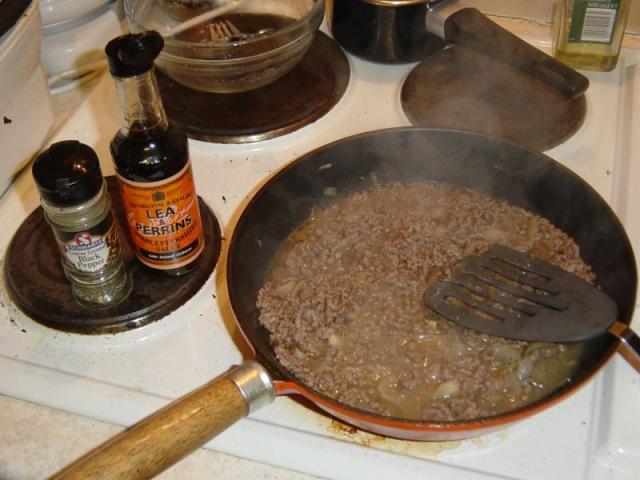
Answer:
(165, 437)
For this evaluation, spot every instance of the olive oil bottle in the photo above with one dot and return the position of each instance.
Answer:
(588, 33)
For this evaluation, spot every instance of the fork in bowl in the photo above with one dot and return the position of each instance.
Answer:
(224, 31)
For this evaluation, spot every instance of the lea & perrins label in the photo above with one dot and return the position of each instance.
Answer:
(164, 219)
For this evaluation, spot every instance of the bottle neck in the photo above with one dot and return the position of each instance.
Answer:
(140, 103)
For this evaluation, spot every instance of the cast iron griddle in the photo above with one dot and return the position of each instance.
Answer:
(302, 96)
(465, 90)
(37, 284)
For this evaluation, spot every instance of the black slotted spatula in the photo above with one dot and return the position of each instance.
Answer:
(511, 294)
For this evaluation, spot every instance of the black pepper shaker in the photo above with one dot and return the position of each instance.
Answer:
(77, 205)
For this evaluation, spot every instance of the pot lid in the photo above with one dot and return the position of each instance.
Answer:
(10, 13)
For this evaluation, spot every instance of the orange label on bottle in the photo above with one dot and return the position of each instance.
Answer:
(164, 220)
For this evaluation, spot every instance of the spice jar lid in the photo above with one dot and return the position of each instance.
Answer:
(133, 54)
(67, 173)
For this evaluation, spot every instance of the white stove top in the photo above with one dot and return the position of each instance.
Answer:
(120, 378)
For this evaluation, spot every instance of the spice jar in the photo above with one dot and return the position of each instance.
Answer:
(77, 205)
(588, 33)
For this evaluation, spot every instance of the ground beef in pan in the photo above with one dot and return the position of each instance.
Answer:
(343, 304)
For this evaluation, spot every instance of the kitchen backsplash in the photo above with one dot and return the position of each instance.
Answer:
(540, 10)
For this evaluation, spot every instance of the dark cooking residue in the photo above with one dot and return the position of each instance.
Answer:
(343, 304)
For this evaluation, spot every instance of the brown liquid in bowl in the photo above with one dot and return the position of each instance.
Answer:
(247, 23)
(343, 305)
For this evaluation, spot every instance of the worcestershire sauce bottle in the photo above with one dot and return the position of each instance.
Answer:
(151, 159)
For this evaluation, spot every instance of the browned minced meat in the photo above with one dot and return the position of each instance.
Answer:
(343, 304)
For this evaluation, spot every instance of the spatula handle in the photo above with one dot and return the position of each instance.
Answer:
(629, 343)
(162, 439)
(472, 29)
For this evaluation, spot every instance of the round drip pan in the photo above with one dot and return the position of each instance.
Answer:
(37, 284)
(299, 98)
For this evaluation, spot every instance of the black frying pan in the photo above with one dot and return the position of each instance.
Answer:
(523, 177)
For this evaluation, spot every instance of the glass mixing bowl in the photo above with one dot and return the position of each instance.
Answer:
(274, 36)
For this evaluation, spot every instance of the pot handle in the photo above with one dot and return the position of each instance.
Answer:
(470, 28)
(162, 439)
(629, 343)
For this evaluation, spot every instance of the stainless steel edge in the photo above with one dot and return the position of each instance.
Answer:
(630, 342)
(438, 14)
(255, 384)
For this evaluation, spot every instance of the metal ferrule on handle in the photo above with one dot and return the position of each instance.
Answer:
(630, 343)
(254, 383)
(438, 13)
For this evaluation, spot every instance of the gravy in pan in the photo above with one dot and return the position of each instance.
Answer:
(343, 305)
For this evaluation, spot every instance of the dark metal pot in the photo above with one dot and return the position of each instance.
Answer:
(387, 32)
(399, 31)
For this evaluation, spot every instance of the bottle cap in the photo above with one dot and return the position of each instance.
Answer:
(67, 173)
(133, 54)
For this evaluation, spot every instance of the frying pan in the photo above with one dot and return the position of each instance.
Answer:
(503, 170)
